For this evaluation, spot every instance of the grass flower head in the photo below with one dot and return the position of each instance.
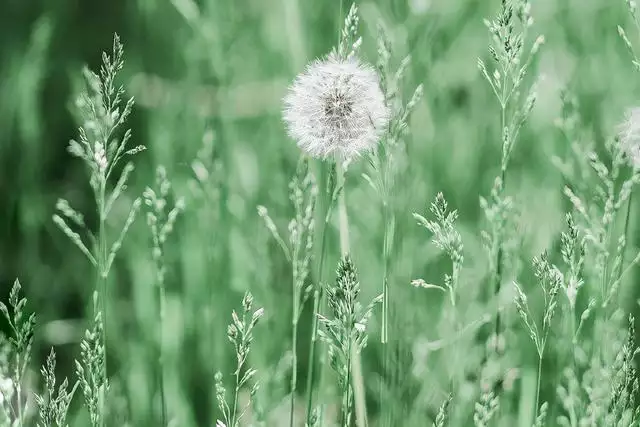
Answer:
(336, 108)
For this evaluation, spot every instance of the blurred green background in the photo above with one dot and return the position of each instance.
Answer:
(215, 71)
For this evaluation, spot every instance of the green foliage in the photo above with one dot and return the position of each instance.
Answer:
(539, 134)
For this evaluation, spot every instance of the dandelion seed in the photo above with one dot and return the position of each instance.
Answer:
(629, 134)
(336, 108)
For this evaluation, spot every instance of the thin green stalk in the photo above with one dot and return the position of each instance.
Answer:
(605, 273)
(626, 234)
(101, 286)
(540, 349)
(574, 331)
(235, 400)
(234, 420)
(603, 284)
(455, 325)
(538, 384)
(340, 18)
(346, 406)
(385, 293)
(609, 282)
(503, 183)
(389, 223)
(343, 218)
(19, 389)
(161, 361)
(294, 345)
(294, 374)
(318, 303)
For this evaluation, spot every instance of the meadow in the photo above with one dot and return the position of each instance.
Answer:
(319, 213)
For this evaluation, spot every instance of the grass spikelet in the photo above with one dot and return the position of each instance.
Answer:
(485, 409)
(240, 333)
(91, 369)
(21, 326)
(103, 112)
(53, 405)
(511, 60)
(303, 195)
(345, 331)
(161, 221)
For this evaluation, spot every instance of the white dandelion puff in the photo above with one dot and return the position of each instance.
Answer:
(629, 135)
(336, 108)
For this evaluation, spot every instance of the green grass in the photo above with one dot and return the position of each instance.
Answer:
(208, 78)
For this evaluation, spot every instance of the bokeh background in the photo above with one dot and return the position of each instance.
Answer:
(209, 75)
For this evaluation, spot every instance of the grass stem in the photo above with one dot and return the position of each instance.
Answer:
(101, 285)
(161, 355)
(294, 372)
(626, 235)
(294, 344)
(503, 183)
(536, 409)
(19, 390)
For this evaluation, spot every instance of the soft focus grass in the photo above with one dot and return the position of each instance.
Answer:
(217, 69)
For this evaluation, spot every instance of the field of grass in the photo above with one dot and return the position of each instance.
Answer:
(455, 228)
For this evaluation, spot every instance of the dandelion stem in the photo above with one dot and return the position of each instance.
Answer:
(389, 223)
(355, 370)
(318, 303)
(342, 212)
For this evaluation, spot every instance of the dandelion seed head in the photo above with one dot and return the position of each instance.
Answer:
(629, 135)
(336, 108)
